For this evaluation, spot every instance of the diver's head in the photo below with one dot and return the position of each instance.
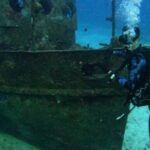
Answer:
(130, 37)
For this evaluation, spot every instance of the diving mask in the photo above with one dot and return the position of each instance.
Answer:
(130, 38)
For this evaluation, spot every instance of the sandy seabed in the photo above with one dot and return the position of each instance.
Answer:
(136, 135)
(8, 142)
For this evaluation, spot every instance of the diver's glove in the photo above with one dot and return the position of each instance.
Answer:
(112, 75)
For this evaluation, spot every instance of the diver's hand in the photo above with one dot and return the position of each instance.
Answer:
(112, 75)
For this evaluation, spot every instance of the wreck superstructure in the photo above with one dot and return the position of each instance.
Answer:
(31, 29)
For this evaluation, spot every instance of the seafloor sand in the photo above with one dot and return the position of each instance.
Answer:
(8, 142)
(136, 134)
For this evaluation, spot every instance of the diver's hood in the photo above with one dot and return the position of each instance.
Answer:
(130, 37)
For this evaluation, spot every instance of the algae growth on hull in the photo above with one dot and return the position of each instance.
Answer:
(73, 112)
(63, 123)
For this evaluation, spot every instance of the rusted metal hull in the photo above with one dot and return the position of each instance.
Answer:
(43, 72)
(55, 72)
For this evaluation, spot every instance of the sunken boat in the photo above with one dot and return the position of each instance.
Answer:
(45, 99)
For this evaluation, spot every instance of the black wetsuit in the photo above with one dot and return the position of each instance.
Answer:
(137, 65)
(138, 73)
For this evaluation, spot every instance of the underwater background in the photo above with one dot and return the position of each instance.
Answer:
(92, 15)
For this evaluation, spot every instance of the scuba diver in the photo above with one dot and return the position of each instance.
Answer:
(137, 81)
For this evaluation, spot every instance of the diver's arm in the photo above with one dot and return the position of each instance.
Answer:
(121, 67)
(127, 56)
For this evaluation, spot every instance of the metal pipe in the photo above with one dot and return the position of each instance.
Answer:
(113, 18)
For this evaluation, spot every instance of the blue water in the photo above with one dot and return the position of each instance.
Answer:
(91, 15)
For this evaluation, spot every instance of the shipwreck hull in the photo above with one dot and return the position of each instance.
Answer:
(56, 72)
(49, 70)
(46, 100)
